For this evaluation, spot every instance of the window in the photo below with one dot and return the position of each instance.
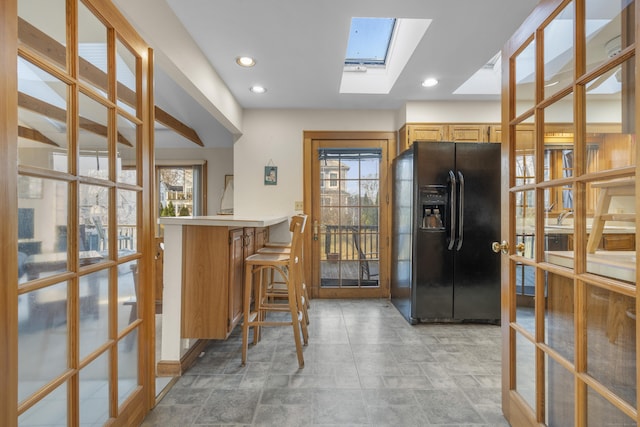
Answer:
(369, 41)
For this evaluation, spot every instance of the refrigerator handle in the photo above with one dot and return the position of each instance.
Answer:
(452, 198)
(460, 211)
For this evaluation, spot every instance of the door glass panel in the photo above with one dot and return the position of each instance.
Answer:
(525, 291)
(42, 27)
(126, 64)
(525, 369)
(127, 159)
(558, 51)
(92, 50)
(559, 312)
(42, 117)
(42, 337)
(94, 147)
(600, 412)
(559, 140)
(94, 216)
(50, 411)
(94, 392)
(524, 155)
(94, 311)
(127, 366)
(349, 209)
(560, 392)
(525, 79)
(610, 97)
(127, 294)
(127, 221)
(610, 27)
(611, 341)
(42, 227)
(525, 222)
(611, 229)
(558, 228)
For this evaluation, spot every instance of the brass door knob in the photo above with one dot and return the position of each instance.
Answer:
(500, 247)
(520, 247)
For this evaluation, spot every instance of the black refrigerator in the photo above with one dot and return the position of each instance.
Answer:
(446, 214)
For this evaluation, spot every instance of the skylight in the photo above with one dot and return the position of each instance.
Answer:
(369, 41)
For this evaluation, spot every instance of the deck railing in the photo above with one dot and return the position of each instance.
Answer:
(351, 242)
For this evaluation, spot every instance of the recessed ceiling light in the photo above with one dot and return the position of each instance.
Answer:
(258, 89)
(430, 82)
(245, 61)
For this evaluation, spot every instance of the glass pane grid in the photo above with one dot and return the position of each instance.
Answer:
(349, 214)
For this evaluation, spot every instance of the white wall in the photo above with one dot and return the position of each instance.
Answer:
(219, 164)
(277, 136)
(452, 112)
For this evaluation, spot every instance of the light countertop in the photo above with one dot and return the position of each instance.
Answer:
(224, 220)
(617, 264)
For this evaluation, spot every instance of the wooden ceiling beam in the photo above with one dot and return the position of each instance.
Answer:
(171, 122)
(56, 113)
(34, 135)
(41, 42)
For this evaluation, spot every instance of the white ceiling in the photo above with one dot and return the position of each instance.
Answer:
(299, 46)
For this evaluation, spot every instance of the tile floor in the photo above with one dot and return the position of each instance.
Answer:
(364, 366)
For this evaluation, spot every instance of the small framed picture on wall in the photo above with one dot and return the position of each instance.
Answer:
(270, 175)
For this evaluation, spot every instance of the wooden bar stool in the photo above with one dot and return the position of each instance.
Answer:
(285, 248)
(257, 269)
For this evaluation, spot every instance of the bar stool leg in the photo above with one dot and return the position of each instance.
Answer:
(248, 276)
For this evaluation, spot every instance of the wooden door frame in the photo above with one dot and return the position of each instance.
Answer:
(385, 177)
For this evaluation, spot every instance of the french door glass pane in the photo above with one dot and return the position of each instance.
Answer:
(609, 29)
(525, 222)
(127, 151)
(94, 147)
(525, 369)
(525, 79)
(42, 337)
(127, 366)
(42, 26)
(127, 217)
(42, 227)
(600, 412)
(558, 51)
(94, 392)
(51, 411)
(560, 394)
(92, 49)
(611, 341)
(94, 222)
(126, 68)
(559, 315)
(127, 294)
(42, 113)
(94, 311)
(611, 96)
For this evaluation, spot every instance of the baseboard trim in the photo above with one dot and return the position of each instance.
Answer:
(174, 368)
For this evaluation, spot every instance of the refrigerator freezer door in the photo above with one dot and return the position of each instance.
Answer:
(477, 268)
(433, 261)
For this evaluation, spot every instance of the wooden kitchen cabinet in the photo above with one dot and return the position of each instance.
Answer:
(612, 242)
(213, 278)
(468, 133)
(427, 132)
